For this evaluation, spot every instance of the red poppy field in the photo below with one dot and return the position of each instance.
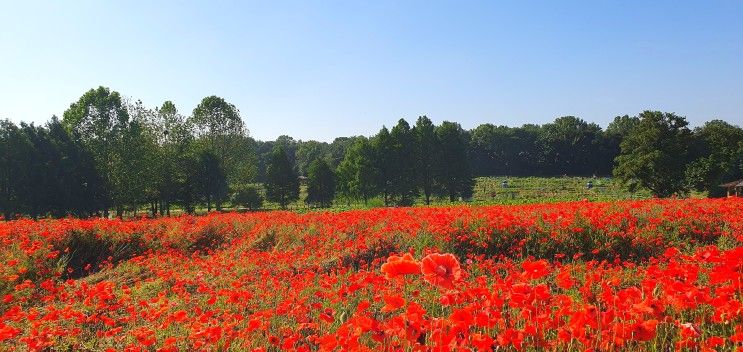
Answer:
(651, 275)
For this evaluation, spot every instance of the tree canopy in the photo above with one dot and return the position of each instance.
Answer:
(655, 153)
(282, 182)
(320, 184)
(112, 153)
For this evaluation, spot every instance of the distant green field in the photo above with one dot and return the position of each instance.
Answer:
(520, 190)
(490, 190)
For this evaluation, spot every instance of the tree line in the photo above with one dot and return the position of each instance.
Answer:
(108, 155)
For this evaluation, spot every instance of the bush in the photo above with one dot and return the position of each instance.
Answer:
(248, 197)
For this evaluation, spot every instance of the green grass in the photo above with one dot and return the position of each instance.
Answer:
(489, 190)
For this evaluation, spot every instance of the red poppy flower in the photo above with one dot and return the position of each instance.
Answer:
(397, 266)
(392, 302)
(535, 269)
(441, 269)
(644, 331)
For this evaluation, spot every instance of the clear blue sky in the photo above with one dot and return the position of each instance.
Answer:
(321, 69)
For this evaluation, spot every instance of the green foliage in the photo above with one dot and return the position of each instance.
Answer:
(572, 146)
(357, 173)
(79, 188)
(517, 151)
(135, 168)
(248, 197)
(264, 151)
(214, 117)
(110, 153)
(402, 164)
(14, 169)
(495, 150)
(337, 149)
(211, 179)
(220, 130)
(616, 131)
(655, 154)
(100, 119)
(174, 139)
(427, 149)
(384, 163)
(320, 184)
(282, 182)
(97, 116)
(715, 153)
(309, 151)
(45, 170)
(455, 178)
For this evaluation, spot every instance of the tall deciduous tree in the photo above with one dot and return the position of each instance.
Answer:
(427, 148)
(80, 187)
(571, 146)
(655, 153)
(265, 149)
(174, 138)
(528, 157)
(214, 119)
(320, 184)
(211, 178)
(100, 118)
(455, 177)
(715, 151)
(384, 163)
(357, 172)
(282, 182)
(403, 156)
(502, 150)
(220, 130)
(45, 171)
(615, 133)
(138, 161)
(337, 150)
(495, 150)
(308, 152)
(16, 151)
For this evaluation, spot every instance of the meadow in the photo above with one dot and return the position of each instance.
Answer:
(398, 176)
(641, 275)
